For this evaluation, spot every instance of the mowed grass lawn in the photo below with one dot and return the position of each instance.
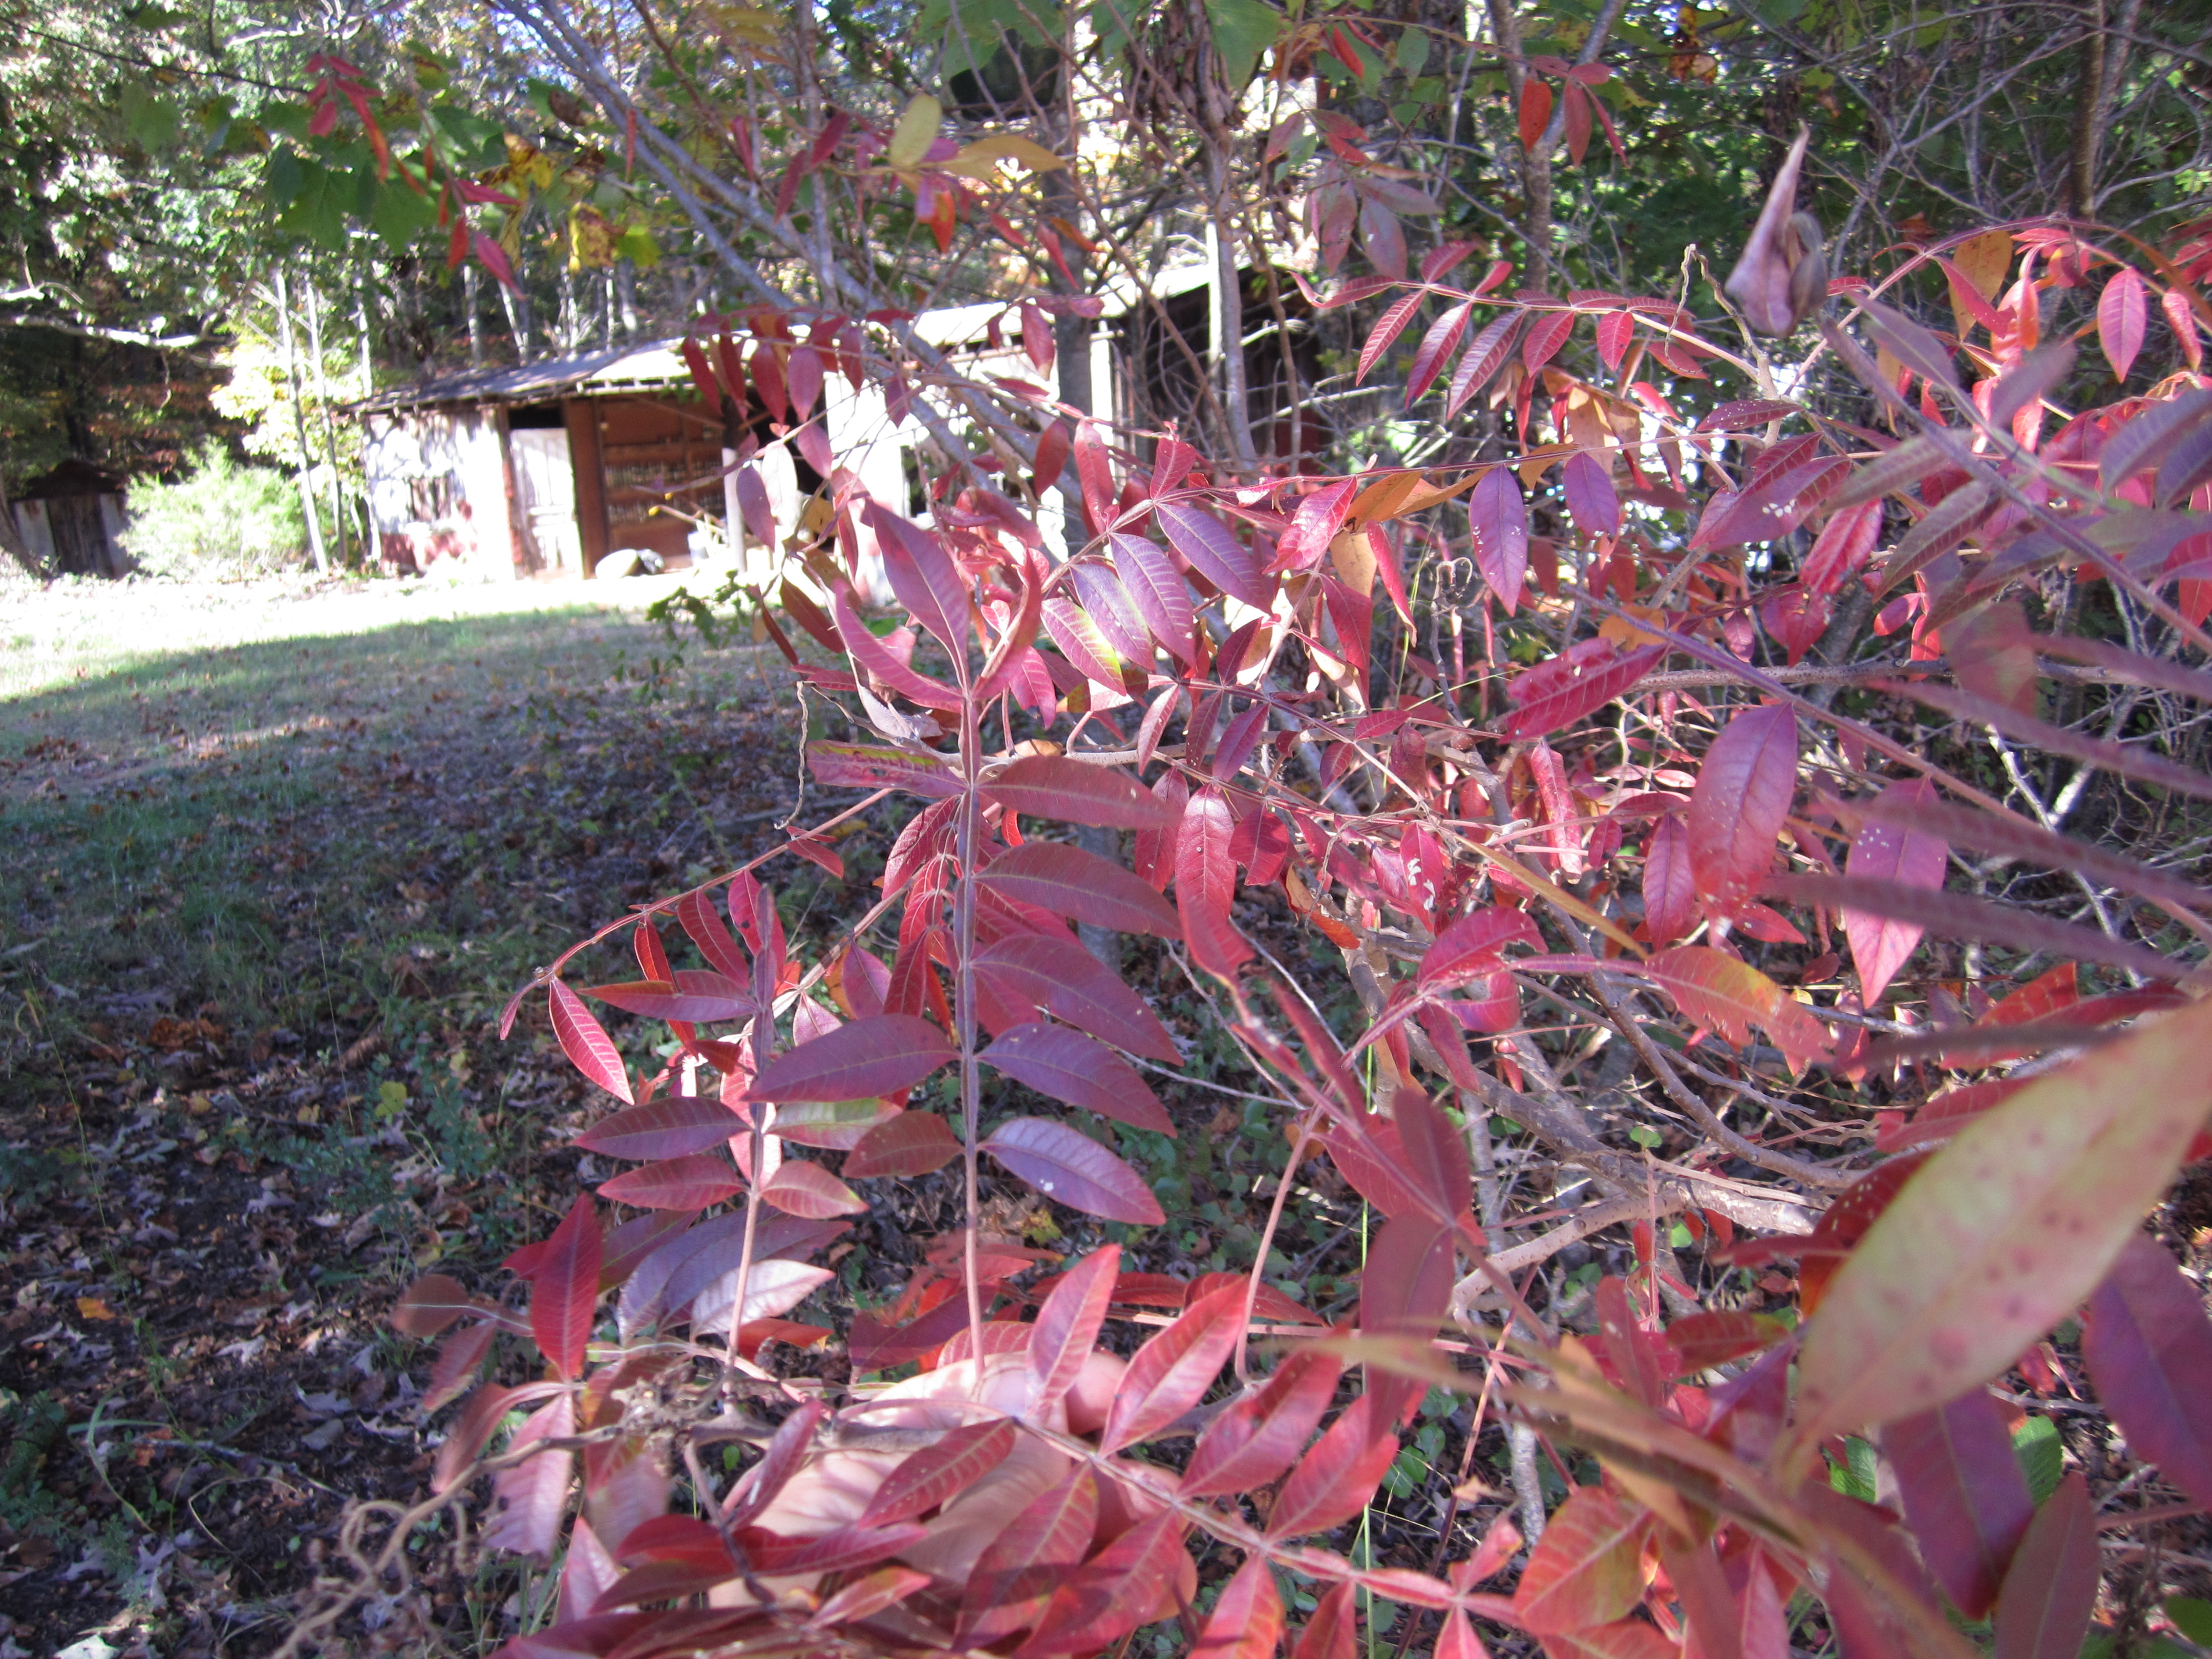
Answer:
(271, 858)
(256, 798)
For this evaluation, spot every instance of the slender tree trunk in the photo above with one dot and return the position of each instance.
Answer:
(286, 344)
(626, 292)
(1537, 186)
(329, 420)
(476, 319)
(518, 320)
(361, 327)
(1228, 277)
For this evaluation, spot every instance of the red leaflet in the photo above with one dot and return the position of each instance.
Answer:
(1589, 1569)
(1386, 329)
(1615, 330)
(1158, 591)
(1435, 345)
(1564, 845)
(1071, 882)
(1213, 550)
(527, 1498)
(703, 375)
(911, 1143)
(1083, 643)
(1726, 994)
(662, 1128)
(937, 1474)
(840, 1551)
(430, 1304)
(1036, 338)
(1375, 1165)
(1016, 1573)
(1079, 1070)
(1457, 1639)
(1474, 944)
(705, 999)
(864, 1598)
(1500, 520)
(2051, 1590)
(1965, 1498)
(1578, 120)
(1072, 1167)
(1702, 1341)
(1588, 481)
(696, 912)
(868, 1057)
(1172, 463)
(1581, 683)
(565, 1288)
(1172, 1372)
(2120, 320)
(787, 1450)
(1206, 883)
(1435, 1151)
(1335, 1480)
(652, 954)
(927, 583)
(1097, 473)
(1153, 855)
(1247, 1622)
(836, 1126)
(1067, 1325)
(870, 653)
(1403, 1290)
(1239, 740)
(1884, 852)
(1254, 1440)
(2149, 1350)
(1484, 359)
(1333, 1632)
(1059, 974)
(802, 378)
(1106, 603)
(1535, 111)
(1052, 451)
(1736, 809)
(1546, 335)
(458, 1358)
(1129, 1583)
(801, 1188)
(589, 1048)
(1075, 791)
(879, 766)
(691, 1182)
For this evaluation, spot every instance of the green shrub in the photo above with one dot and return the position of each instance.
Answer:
(221, 519)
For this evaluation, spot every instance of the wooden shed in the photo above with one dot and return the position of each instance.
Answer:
(608, 462)
(546, 470)
(71, 520)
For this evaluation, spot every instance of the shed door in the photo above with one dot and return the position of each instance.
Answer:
(545, 496)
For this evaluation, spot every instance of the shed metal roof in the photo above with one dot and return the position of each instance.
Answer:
(654, 367)
(658, 365)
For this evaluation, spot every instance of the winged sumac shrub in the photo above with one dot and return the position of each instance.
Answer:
(1604, 801)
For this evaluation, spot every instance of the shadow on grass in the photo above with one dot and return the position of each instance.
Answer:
(292, 830)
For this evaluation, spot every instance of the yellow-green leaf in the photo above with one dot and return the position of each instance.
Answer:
(981, 159)
(2001, 1234)
(915, 132)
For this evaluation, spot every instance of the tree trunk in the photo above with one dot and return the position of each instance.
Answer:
(476, 321)
(329, 420)
(299, 424)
